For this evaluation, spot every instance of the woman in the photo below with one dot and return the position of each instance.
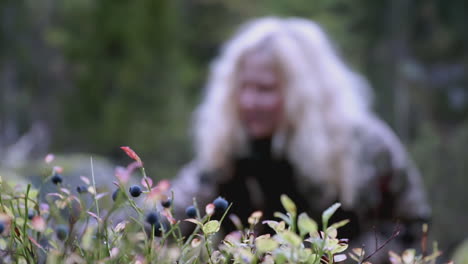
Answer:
(282, 113)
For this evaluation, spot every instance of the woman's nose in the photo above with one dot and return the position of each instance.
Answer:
(248, 98)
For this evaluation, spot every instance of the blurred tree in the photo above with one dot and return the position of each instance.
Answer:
(128, 68)
(28, 67)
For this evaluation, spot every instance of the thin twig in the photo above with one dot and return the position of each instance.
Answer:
(424, 240)
(395, 233)
(375, 237)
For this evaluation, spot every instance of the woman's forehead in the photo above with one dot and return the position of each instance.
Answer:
(259, 61)
(263, 73)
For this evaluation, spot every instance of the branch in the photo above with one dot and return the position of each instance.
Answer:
(395, 233)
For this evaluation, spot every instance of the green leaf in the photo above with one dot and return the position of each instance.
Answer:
(272, 224)
(281, 226)
(288, 204)
(87, 240)
(211, 227)
(277, 226)
(266, 245)
(292, 238)
(329, 212)
(339, 248)
(313, 258)
(330, 244)
(306, 224)
(3, 244)
(280, 258)
(304, 254)
(245, 256)
(33, 194)
(19, 221)
(332, 232)
(340, 224)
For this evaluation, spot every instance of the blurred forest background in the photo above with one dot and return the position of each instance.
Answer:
(92, 75)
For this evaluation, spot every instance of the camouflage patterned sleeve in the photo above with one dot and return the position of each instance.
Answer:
(394, 197)
(398, 179)
(191, 182)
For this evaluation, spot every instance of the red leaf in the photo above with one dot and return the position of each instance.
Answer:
(17, 231)
(123, 174)
(163, 185)
(35, 243)
(131, 153)
(153, 196)
(145, 181)
(167, 213)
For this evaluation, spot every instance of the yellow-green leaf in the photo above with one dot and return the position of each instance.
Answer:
(304, 254)
(288, 204)
(340, 224)
(306, 224)
(340, 248)
(211, 227)
(266, 245)
(3, 244)
(329, 212)
(292, 238)
(245, 256)
(312, 258)
(87, 240)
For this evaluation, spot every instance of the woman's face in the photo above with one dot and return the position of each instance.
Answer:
(260, 95)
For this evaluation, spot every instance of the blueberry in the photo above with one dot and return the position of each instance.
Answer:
(157, 229)
(220, 204)
(191, 212)
(115, 195)
(31, 214)
(2, 227)
(82, 189)
(166, 203)
(56, 179)
(62, 232)
(152, 218)
(135, 190)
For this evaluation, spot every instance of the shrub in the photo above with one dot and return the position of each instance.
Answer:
(65, 229)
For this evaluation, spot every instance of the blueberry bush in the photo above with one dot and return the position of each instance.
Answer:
(71, 225)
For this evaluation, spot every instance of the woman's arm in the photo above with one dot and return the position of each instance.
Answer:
(395, 199)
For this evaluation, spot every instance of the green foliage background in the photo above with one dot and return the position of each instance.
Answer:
(104, 73)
